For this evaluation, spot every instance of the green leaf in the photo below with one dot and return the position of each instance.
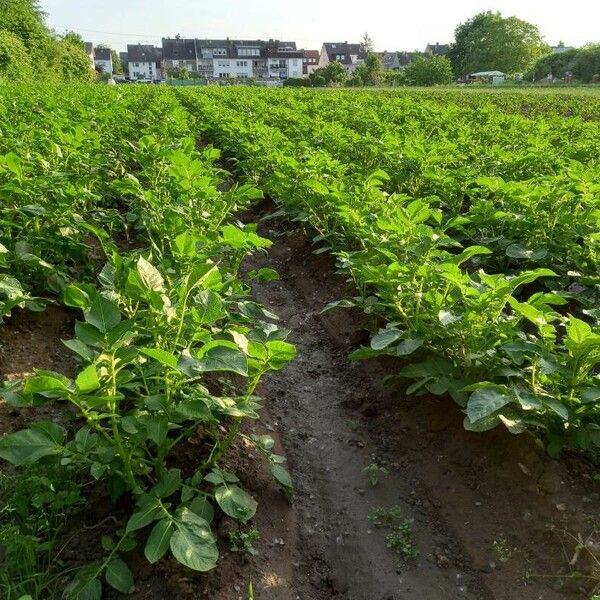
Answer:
(558, 407)
(119, 576)
(518, 251)
(384, 338)
(192, 544)
(77, 297)
(103, 314)
(406, 347)
(486, 401)
(280, 353)
(29, 445)
(150, 276)
(162, 356)
(203, 508)
(87, 381)
(219, 355)
(158, 541)
(46, 381)
(168, 485)
(282, 477)
(235, 502)
(211, 307)
(143, 517)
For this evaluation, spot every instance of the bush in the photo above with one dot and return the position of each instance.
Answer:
(430, 70)
(583, 63)
(15, 63)
(295, 82)
(70, 62)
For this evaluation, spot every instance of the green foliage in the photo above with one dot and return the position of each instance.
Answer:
(168, 340)
(243, 540)
(400, 538)
(464, 226)
(39, 51)
(15, 64)
(70, 61)
(331, 75)
(490, 42)
(369, 73)
(428, 70)
(582, 63)
(116, 61)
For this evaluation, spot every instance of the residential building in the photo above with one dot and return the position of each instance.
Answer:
(283, 64)
(232, 59)
(310, 61)
(179, 53)
(144, 62)
(437, 49)
(349, 55)
(103, 60)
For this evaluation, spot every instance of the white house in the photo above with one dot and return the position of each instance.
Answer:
(103, 60)
(143, 62)
(283, 64)
(238, 68)
(311, 61)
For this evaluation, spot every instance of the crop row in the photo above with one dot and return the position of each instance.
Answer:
(110, 208)
(471, 232)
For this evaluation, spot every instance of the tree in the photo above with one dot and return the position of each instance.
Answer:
(116, 61)
(15, 64)
(489, 42)
(70, 62)
(429, 70)
(333, 74)
(369, 73)
(367, 44)
(582, 63)
(74, 38)
(25, 19)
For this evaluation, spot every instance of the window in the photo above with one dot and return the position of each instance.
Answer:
(248, 52)
(136, 64)
(220, 52)
(223, 63)
(242, 63)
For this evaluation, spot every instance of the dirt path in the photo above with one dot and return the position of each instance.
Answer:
(480, 504)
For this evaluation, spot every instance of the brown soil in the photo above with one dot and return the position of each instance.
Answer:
(31, 341)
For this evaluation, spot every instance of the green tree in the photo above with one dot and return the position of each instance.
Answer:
(333, 74)
(25, 20)
(15, 64)
(116, 61)
(583, 63)
(74, 38)
(369, 73)
(489, 42)
(429, 70)
(70, 62)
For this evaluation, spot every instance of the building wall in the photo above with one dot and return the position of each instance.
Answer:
(283, 68)
(224, 68)
(105, 65)
(143, 70)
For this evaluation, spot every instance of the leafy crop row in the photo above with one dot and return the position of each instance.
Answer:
(110, 208)
(469, 231)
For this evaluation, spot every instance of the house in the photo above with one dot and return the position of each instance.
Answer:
(349, 55)
(283, 63)
(89, 50)
(310, 61)
(144, 62)
(103, 60)
(437, 49)
(179, 53)
(232, 59)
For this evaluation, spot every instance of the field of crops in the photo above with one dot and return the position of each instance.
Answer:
(468, 225)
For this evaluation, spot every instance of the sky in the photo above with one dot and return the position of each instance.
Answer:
(393, 24)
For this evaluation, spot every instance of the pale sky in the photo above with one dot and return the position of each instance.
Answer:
(393, 24)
